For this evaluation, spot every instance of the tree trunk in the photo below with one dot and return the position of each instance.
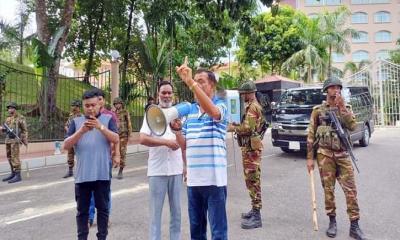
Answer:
(21, 40)
(330, 61)
(126, 51)
(92, 44)
(309, 74)
(42, 22)
(47, 97)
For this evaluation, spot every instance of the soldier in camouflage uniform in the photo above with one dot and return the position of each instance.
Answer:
(250, 142)
(124, 129)
(332, 158)
(75, 112)
(16, 122)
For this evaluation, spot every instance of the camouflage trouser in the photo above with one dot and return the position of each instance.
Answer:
(123, 142)
(252, 175)
(330, 169)
(70, 158)
(12, 150)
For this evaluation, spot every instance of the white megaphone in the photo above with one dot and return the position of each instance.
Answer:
(158, 118)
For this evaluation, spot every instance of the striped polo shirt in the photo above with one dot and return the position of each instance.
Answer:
(205, 147)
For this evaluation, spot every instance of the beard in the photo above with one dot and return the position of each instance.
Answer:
(165, 104)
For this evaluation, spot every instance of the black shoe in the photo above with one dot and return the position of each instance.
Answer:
(9, 177)
(120, 175)
(355, 231)
(16, 178)
(332, 229)
(70, 173)
(248, 214)
(254, 221)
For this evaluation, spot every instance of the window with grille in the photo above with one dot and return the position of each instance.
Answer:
(383, 36)
(362, 38)
(359, 17)
(360, 55)
(382, 17)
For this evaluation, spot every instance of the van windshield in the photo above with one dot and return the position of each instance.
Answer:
(303, 97)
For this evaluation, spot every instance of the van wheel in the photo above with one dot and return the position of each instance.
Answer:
(287, 150)
(366, 136)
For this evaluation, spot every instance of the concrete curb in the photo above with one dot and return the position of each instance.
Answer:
(60, 159)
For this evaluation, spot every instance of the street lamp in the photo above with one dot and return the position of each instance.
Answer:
(115, 55)
(114, 73)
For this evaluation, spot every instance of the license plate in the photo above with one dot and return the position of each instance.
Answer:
(294, 145)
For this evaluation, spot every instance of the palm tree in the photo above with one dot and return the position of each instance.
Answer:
(154, 60)
(335, 33)
(353, 67)
(173, 19)
(312, 55)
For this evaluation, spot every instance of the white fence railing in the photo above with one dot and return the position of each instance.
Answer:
(383, 79)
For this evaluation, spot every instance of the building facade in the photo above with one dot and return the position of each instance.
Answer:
(377, 21)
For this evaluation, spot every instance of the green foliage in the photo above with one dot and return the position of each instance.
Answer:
(95, 26)
(22, 87)
(335, 32)
(227, 81)
(271, 39)
(311, 59)
(395, 54)
(353, 67)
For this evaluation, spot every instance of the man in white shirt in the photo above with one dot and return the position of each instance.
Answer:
(165, 167)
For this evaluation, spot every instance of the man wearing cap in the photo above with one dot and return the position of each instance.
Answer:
(250, 142)
(17, 124)
(75, 112)
(124, 130)
(332, 158)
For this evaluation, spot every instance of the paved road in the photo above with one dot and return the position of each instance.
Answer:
(43, 207)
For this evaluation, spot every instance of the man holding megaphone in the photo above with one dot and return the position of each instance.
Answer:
(205, 132)
(165, 165)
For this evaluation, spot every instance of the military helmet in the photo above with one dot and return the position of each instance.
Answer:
(76, 103)
(118, 100)
(332, 81)
(11, 105)
(247, 87)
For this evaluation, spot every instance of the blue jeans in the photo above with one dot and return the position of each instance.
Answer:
(83, 193)
(159, 186)
(92, 209)
(212, 199)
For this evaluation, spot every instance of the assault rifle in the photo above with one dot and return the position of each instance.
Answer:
(263, 129)
(343, 136)
(10, 132)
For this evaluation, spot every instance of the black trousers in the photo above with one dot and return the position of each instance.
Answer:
(83, 191)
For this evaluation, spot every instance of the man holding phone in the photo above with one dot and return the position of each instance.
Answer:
(92, 135)
(332, 157)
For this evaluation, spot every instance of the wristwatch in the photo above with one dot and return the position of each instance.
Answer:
(102, 127)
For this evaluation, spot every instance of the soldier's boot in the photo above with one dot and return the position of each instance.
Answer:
(9, 177)
(254, 221)
(355, 231)
(332, 229)
(16, 178)
(70, 173)
(248, 214)
(120, 175)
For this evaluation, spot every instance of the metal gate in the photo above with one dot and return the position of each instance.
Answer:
(21, 85)
(383, 80)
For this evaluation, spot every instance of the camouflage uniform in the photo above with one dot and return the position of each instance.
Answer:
(124, 130)
(332, 158)
(251, 147)
(71, 152)
(18, 124)
(249, 139)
